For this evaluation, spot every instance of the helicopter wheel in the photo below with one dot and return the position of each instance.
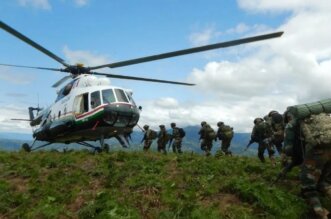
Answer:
(26, 147)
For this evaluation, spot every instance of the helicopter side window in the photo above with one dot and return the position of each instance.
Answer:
(121, 97)
(130, 98)
(108, 96)
(95, 99)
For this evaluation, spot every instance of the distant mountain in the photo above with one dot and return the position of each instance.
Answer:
(13, 141)
(15, 136)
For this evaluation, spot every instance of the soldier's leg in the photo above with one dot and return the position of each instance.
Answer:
(209, 145)
(163, 148)
(159, 146)
(271, 153)
(324, 184)
(146, 145)
(174, 147)
(179, 146)
(224, 146)
(279, 147)
(203, 145)
(310, 175)
(260, 153)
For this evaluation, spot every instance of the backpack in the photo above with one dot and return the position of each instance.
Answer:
(181, 132)
(210, 133)
(304, 110)
(228, 132)
(316, 129)
(263, 131)
(152, 134)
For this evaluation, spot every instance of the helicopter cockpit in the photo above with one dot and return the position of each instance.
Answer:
(119, 108)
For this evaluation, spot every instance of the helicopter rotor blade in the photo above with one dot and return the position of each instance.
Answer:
(24, 66)
(31, 43)
(140, 78)
(190, 50)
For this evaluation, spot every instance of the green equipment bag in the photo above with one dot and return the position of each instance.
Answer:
(316, 129)
(152, 134)
(228, 132)
(211, 135)
(304, 110)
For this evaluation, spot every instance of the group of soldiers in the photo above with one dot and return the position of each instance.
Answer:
(300, 141)
(207, 136)
(307, 143)
(163, 137)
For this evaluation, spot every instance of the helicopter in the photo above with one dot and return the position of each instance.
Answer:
(87, 108)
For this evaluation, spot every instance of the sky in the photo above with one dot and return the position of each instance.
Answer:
(233, 85)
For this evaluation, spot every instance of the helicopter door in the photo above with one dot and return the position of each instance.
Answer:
(81, 104)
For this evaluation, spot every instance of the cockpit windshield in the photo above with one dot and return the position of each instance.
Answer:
(108, 96)
(116, 95)
(121, 97)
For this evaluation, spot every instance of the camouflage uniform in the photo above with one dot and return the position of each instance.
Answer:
(162, 140)
(206, 139)
(277, 126)
(147, 139)
(177, 145)
(262, 134)
(225, 134)
(316, 167)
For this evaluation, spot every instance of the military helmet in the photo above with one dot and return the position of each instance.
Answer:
(277, 118)
(172, 124)
(272, 112)
(146, 127)
(258, 120)
(203, 123)
(220, 123)
(162, 126)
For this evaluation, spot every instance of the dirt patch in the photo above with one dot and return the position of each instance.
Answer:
(20, 184)
(224, 200)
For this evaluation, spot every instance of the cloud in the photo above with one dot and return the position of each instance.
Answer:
(38, 4)
(239, 29)
(283, 5)
(14, 112)
(15, 78)
(81, 3)
(203, 37)
(85, 57)
(273, 75)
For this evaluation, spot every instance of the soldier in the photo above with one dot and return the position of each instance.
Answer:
(207, 135)
(225, 134)
(308, 141)
(177, 135)
(262, 134)
(162, 140)
(276, 122)
(148, 137)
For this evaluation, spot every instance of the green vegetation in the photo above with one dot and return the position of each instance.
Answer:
(143, 185)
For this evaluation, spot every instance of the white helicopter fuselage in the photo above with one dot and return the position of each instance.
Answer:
(87, 109)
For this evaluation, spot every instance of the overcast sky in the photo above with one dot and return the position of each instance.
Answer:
(234, 85)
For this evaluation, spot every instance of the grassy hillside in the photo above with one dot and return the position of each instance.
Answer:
(143, 185)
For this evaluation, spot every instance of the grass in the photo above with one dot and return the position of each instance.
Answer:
(143, 185)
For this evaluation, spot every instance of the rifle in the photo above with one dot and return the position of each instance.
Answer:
(249, 144)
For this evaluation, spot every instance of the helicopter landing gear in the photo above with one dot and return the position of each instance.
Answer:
(26, 147)
(96, 149)
(104, 146)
